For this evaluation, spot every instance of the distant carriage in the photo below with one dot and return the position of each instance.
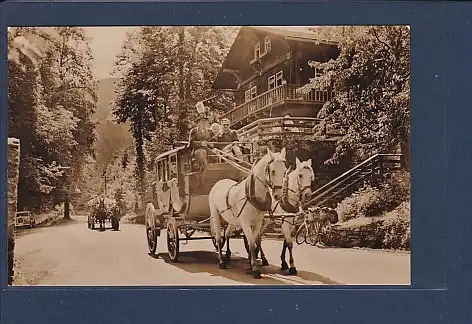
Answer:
(104, 210)
(178, 198)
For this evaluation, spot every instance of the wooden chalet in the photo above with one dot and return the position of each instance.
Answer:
(265, 66)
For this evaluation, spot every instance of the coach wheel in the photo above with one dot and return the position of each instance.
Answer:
(173, 239)
(151, 233)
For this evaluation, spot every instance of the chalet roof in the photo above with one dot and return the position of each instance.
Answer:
(295, 35)
(240, 53)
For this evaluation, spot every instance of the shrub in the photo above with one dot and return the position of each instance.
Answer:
(362, 203)
(369, 201)
(390, 231)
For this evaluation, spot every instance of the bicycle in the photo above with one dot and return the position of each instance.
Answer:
(303, 234)
(321, 232)
(322, 224)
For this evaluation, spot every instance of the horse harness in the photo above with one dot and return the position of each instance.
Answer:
(285, 204)
(250, 194)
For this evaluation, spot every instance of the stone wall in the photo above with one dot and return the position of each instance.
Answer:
(13, 175)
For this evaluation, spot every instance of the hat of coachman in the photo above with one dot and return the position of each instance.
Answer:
(202, 111)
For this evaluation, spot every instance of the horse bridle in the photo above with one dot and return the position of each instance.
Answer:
(269, 183)
(286, 189)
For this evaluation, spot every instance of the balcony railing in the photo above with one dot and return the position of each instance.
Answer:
(286, 92)
(265, 128)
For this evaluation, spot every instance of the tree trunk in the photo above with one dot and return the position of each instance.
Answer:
(405, 150)
(140, 157)
(67, 207)
(13, 176)
(181, 63)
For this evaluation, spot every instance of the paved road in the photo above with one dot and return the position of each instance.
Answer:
(71, 254)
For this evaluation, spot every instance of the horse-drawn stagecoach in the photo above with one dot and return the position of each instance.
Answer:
(178, 196)
(233, 197)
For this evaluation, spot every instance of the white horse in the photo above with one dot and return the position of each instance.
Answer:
(244, 204)
(296, 191)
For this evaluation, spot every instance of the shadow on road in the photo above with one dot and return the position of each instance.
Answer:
(207, 262)
(107, 229)
(23, 231)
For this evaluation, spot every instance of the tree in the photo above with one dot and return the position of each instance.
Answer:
(51, 98)
(173, 69)
(371, 78)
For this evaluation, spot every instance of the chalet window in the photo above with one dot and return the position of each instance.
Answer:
(267, 44)
(278, 79)
(318, 72)
(271, 82)
(275, 80)
(253, 92)
(250, 94)
(257, 51)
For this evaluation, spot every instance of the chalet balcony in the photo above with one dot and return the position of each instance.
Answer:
(285, 98)
(301, 128)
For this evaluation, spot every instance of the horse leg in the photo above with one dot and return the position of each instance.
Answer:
(263, 257)
(292, 270)
(251, 240)
(282, 256)
(228, 233)
(215, 218)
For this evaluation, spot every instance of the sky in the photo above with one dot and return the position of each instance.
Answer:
(106, 44)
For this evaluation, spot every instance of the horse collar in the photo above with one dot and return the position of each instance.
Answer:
(284, 203)
(250, 188)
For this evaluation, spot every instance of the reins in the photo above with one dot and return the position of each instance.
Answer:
(249, 187)
(285, 202)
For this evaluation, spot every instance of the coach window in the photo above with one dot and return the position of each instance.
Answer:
(173, 166)
(160, 174)
(166, 170)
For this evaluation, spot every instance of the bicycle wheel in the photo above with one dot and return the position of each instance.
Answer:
(301, 234)
(314, 233)
(325, 232)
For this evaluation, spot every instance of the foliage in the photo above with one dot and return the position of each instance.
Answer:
(28, 44)
(169, 70)
(398, 232)
(371, 79)
(370, 201)
(391, 231)
(51, 97)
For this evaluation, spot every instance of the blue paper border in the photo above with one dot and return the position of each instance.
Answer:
(436, 30)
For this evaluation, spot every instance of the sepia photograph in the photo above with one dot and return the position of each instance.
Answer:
(209, 156)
